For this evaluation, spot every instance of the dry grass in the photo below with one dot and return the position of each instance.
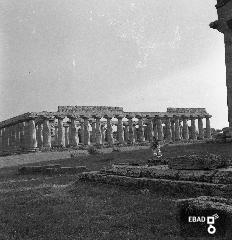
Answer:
(56, 207)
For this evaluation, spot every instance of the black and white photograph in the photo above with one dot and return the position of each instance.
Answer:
(115, 119)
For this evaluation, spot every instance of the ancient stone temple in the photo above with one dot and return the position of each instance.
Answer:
(224, 25)
(71, 126)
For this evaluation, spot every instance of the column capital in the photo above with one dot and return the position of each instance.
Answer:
(60, 116)
(108, 116)
(47, 117)
(72, 116)
(184, 117)
(193, 117)
(176, 116)
(84, 117)
(119, 116)
(139, 116)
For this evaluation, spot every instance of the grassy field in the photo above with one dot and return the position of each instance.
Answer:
(59, 207)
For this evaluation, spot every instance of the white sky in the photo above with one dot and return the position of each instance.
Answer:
(142, 55)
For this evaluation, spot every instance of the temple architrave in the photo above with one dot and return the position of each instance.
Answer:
(71, 126)
(224, 25)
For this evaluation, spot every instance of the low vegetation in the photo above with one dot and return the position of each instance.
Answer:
(60, 207)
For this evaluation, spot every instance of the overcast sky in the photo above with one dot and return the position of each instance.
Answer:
(142, 55)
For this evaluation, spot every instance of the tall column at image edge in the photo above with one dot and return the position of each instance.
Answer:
(224, 25)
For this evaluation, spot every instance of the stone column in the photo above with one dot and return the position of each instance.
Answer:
(193, 129)
(131, 136)
(141, 137)
(17, 136)
(22, 134)
(93, 138)
(9, 131)
(110, 139)
(168, 129)
(155, 129)
(46, 133)
(66, 134)
(208, 128)
(135, 130)
(7, 138)
(98, 131)
(86, 131)
(31, 142)
(40, 135)
(74, 140)
(56, 135)
(150, 132)
(126, 132)
(223, 25)
(185, 131)
(200, 128)
(82, 132)
(177, 128)
(160, 129)
(181, 129)
(103, 133)
(1, 137)
(120, 132)
(61, 133)
(173, 129)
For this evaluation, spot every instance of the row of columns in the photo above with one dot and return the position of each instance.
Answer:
(28, 135)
